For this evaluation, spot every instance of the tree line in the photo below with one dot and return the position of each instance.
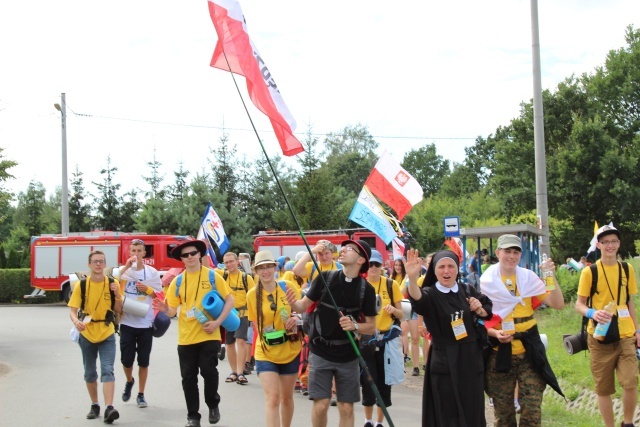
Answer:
(591, 122)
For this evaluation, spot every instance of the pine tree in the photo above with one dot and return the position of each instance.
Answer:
(108, 215)
(79, 211)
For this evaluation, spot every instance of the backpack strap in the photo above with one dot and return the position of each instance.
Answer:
(625, 267)
(179, 283)
(225, 276)
(212, 279)
(83, 293)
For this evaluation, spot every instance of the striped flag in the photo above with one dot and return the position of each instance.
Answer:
(394, 186)
(235, 46)
(368, 213)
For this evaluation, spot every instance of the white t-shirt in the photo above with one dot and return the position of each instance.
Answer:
(150, 277)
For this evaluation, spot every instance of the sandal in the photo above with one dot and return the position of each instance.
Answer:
(242, 380)
(232, 378)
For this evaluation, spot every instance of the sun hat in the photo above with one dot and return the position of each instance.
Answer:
(264, 257)
(199, 245)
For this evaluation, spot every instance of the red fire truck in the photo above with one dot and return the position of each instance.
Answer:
(289, 243)
(57, 260)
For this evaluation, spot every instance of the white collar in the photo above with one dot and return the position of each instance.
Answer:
(446, 290)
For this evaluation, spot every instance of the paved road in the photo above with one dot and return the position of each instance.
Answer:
(41, 381)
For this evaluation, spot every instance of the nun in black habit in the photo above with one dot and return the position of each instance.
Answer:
(453, 394)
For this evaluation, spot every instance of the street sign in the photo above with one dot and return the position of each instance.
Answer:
(452, 226)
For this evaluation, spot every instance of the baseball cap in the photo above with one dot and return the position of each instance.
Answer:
(606, 230)
(375, 256)
(507, 241)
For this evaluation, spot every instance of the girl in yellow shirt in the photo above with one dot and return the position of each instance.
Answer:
(278, 346)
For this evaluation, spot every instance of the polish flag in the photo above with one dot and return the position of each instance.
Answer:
(243, 59)
(394, 186)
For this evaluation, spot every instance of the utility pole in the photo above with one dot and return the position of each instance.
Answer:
(65, 181)
(538, 134)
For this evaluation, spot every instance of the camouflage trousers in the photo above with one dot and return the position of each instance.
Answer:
(501, 387)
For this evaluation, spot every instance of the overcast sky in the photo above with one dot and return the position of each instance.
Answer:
(136, 75)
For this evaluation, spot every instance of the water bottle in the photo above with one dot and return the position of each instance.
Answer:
(602, 328)
(200, 316)
(284, 314)
(548, 277)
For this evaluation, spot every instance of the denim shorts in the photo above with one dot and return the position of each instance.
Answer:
(106, 350)
(290, 368)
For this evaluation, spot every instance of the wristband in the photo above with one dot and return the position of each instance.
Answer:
(591, 312)
(638, 331)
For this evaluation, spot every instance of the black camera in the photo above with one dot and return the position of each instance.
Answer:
(574, 344)
(109, 318)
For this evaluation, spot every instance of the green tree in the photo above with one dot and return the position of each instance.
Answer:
(154, 180)
(180, 186)
(13, 260)
(427, 167)
(30, 210)
(129, 208)
(79, 211)
(108, 215)
(3, 257)
(224, 169)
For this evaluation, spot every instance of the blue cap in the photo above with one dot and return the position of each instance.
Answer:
(376, 256)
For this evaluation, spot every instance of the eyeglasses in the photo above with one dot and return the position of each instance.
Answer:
(188, 254)
(98, 261)
(375, 264)
(137, 242)
(352, 249)
(272, 301)
(609, 242)
(265, 267)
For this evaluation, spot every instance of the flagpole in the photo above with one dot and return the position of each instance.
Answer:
(354, 345)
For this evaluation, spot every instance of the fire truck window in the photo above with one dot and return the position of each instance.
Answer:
(149, 250)
(170, 249)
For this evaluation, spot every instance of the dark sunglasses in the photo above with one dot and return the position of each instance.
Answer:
(272, 301)
(375, 264)
(188, 254)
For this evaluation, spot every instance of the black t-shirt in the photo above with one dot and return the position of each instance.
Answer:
(346, 293)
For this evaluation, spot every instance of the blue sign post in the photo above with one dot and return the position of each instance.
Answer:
(451, 226)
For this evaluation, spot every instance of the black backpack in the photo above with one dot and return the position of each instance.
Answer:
(311, 323)
(225, 275)
(112, 316)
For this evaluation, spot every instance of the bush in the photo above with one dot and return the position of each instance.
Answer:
(15, 283)
(568, 280)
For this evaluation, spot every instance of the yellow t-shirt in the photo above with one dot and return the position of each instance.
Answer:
(309, 268)
(281, 353)
(288, 276)
(384, 319)
(96, 304)
(194, 287)
(610, 275)
(519, 312)
(236, 287)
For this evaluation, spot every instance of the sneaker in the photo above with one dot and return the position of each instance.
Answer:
(416, 372)
(334, 402)
(222, 352)
(517, 406)
(304, 390)
(214, 415)
(126, 394)
(142, 403)
(110, 415)
(94, 412)
(407, 359)
(192, 422)
(297, 387)
(368, 424)
(491, 402)
(248, 367)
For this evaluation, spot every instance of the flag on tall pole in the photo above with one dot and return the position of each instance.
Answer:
(368, 213)
(398, 248)
(394, 186)
(212, 227)
(202, 236)
(235, 52)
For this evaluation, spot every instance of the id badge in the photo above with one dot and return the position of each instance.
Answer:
(142, 298)
(623, 311)
(191, 313)
(86, 319)
(459, 330)
(509, 326)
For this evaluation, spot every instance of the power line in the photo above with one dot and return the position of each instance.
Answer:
(223, 128)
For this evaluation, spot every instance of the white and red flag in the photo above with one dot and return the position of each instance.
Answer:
(244, 59)
(394, 186)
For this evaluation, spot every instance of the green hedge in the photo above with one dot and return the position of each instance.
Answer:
(15, 284)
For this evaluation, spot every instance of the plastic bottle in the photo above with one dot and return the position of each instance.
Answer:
(200, 316)
(548, 277)
(284, 314)
(602, 328)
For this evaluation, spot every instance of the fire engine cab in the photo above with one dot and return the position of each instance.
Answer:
(288, 243)
(57, 261)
